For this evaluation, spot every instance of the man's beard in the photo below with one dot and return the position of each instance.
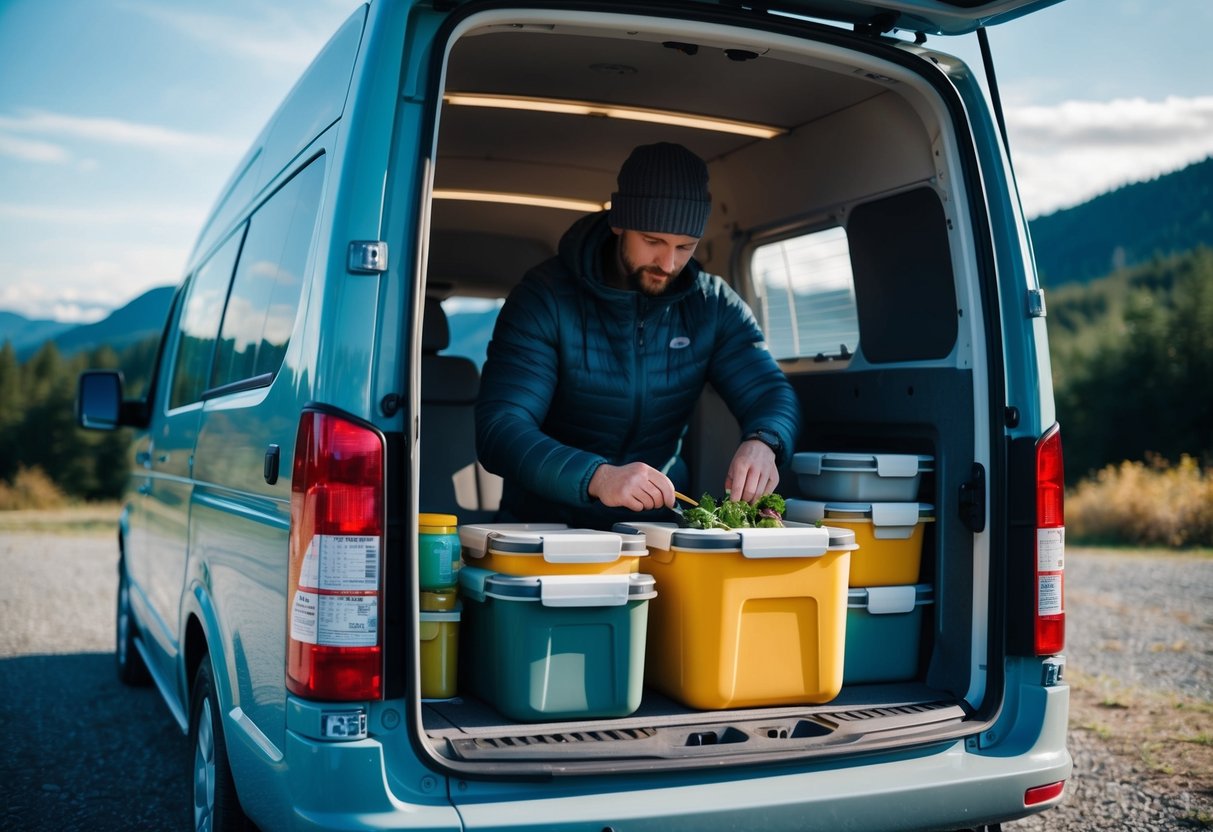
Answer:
(645, 281)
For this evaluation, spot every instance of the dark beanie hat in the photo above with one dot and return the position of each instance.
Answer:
(663, 188)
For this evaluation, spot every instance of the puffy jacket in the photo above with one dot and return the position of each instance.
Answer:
(580, 373)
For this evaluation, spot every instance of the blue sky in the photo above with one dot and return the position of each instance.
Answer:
(120, 120)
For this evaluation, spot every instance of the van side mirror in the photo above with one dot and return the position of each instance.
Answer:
(99, 400)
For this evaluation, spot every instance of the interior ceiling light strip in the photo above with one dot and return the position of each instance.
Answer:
(582, 205)
(588, 108)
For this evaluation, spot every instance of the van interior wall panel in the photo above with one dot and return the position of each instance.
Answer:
(921, 411)
(828, 162)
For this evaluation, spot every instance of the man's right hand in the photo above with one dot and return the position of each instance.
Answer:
(634, 486)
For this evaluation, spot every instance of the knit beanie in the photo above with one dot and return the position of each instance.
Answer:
(663, 188)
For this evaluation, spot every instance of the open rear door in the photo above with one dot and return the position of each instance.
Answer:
(935, 17)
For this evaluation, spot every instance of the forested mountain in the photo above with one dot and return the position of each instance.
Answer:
(1126, 227)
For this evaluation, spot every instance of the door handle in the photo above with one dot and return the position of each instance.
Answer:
(162, 458)
(143, 458)
(145, 489)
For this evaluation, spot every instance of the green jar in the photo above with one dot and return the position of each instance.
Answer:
(438, 551)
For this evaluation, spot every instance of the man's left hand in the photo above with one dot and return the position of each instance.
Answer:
(753, 472)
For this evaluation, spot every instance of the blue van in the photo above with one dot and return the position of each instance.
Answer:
(313, 397)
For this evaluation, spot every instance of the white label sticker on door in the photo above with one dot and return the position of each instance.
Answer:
(303, 617)
(341, 562)
(1048, 595)
(1050, 550)
(348, 620)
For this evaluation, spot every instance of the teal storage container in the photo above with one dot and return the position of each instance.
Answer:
(552, 647)
(884, 633)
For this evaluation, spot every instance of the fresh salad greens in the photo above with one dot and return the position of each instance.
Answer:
(765, 513)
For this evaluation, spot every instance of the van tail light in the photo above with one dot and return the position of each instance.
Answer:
(1050, 622)
(334, 643)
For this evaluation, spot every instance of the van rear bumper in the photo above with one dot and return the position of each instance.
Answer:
(957, 784)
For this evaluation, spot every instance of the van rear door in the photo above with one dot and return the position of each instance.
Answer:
(936, 17)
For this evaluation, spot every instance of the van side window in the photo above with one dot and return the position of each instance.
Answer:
(806, 295)
(265, 292)
(200, 323)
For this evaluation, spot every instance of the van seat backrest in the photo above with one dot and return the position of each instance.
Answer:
(452, 481)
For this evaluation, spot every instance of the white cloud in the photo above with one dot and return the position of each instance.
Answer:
(117, 131)
(31, 150)
(135, 216)
(99, 279)
(1070, 152)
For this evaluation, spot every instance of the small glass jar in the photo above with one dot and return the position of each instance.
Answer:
(438, 552)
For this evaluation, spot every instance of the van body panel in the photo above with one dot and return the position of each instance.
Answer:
(884, 153)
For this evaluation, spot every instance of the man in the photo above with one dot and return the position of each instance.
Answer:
(600, 353)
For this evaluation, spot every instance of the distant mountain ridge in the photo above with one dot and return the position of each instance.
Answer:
(1125, 227)
(142, 317)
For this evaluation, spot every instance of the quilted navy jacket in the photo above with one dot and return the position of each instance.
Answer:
(579, 373)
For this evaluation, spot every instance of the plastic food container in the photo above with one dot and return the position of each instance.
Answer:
(439, 635)
(438, 551)
(550, 549)
(555, 646)
(861, 476)
(889, 536)
(884, 633)
(747, 617)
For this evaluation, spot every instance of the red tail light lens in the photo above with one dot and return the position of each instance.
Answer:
(1050, 636)
(1043, 794)
(334, 646)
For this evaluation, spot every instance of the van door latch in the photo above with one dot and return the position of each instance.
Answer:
(367, 257)
(973, 500)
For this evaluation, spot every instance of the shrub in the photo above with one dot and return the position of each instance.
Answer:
(30, 488)
(1144, 504)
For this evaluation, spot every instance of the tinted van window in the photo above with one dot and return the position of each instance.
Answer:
(806, 295)
(269, 281)
(200, 323)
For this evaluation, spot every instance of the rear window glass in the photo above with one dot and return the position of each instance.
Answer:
(265, 293)
(200, 322)
(805, 295)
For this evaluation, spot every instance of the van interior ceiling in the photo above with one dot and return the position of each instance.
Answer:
(547, 109)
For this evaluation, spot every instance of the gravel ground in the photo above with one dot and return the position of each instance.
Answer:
(79, 751)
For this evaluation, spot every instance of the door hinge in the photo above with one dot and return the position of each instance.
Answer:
(973, 500)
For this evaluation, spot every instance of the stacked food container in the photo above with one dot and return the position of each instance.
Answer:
(438, 556)
(747, 617)
(555, 620)
(876, 495)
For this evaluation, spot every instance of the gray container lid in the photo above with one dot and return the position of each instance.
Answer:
(881, 464)
(557, 590)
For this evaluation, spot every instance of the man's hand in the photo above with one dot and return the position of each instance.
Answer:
(634, 486)
(752, 473)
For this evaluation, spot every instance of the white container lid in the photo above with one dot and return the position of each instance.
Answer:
(888, 600)
(793, 541)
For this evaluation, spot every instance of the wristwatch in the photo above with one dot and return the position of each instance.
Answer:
(768, 438)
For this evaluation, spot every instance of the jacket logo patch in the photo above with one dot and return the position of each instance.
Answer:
(680, 342)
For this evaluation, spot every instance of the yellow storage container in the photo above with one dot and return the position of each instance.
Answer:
(747, 617)
(889, 536)
(439, 635)
(551, 549)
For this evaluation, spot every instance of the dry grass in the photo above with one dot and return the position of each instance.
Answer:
(91, 519)
(31, 488)
(1140, 504)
